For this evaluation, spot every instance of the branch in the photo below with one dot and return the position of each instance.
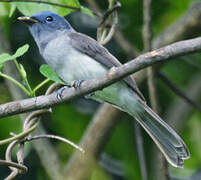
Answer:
(178, 91)
(105, 33)
(140, 150)
(43, 2)
(147, 31)
(114, 74)
(109, 11)
(147, 37)
(184, 27)
(50, 136)
(12, 164)
(179, 111)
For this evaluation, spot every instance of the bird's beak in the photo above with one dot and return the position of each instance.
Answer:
(28, 20)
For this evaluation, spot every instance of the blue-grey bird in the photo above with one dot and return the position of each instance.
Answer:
(75, 56)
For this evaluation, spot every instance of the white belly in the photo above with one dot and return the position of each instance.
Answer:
(80, 67)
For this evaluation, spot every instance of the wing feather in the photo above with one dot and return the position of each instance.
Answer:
(92, 48)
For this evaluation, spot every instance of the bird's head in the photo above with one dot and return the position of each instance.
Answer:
(46, 24)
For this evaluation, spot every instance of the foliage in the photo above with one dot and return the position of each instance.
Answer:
(49, 73)
(21, 51)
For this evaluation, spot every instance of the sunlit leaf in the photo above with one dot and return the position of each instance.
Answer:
(49, 73)
(28, 9)
(20, 51)
(4, 9)
(23, 70)
(4, 57)
(1, 67)
(12, 9)
(87, 11)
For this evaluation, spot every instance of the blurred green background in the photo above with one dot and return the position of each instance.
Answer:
(71, 119)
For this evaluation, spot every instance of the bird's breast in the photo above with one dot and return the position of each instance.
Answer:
(69, 63)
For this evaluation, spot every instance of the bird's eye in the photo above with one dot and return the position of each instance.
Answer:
(49, 18)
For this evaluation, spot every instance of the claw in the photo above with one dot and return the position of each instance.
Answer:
(60, 91)
(77, 83)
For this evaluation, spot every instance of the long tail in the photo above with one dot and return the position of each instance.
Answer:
(167, 140)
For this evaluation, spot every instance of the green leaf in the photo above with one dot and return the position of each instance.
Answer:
(23, 72)
(4, 57)
(87, 11)
(1, 67)
(4, 9)
(12, 9)
(21, 51)
(49, 73)
(28, 9)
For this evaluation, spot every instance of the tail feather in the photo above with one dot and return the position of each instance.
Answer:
(167, 140)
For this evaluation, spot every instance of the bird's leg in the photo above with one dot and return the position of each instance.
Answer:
(60, 91)
(77, 83)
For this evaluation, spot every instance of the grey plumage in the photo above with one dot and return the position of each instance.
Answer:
(74, 56)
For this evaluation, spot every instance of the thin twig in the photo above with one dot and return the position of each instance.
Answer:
(147, 31)
(12, 175)
(19, 136)
(13, 164)
(55, 137)
(140, 150)
(43, 2)
(152, 89)
(104, 35)
(14, 171)
(147, 37)
(52, 88)
(112, 30)
(178, 91)
(9, 151)
(109, 11)
(28, 121)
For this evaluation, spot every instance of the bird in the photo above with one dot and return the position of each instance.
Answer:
(76, 57)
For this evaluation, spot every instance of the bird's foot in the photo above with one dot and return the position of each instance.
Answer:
(77, 83)
(60, 91)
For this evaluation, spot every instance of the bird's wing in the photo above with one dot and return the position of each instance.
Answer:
(93, 49)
